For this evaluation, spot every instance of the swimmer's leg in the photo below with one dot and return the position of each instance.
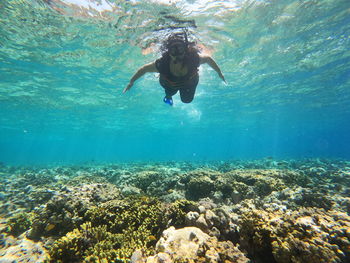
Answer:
(188, 91)
(169, 92)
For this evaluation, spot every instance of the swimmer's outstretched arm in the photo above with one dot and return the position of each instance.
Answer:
(211, 62)
(151, 67)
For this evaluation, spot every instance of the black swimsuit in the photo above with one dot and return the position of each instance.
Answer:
(185, 84)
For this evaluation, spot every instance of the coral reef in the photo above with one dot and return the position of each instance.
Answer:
(19, 223)
(262, 211)
(199, 187)
(177, 211)
(60, 215)
(88, 244)
(113, 231)
(65, 211)
(304, 235)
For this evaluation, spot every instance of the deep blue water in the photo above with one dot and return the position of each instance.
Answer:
(63, 70)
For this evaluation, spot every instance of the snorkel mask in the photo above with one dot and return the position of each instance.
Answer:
(177, 44)
(177, 49)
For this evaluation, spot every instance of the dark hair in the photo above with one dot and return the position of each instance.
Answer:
(179, 37)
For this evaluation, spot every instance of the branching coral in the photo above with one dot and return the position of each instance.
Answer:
(88, 244)
(114, 230)
(65, 211)
(178, 210)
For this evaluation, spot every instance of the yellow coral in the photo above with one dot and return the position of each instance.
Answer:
(113, 231)
(49, 227)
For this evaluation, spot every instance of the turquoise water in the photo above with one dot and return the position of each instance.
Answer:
(64, 64)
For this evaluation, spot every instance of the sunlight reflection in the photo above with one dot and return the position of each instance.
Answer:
(192, 112)
(188, 6)
(100, 6)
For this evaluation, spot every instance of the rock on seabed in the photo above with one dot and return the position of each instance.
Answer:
(190, 244)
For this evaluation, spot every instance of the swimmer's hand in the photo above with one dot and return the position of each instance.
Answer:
(222, 77)
(128, 87)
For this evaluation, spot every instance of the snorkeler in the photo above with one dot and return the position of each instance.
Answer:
(178, 68)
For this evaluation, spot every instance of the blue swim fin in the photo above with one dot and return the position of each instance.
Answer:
(168, 101)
